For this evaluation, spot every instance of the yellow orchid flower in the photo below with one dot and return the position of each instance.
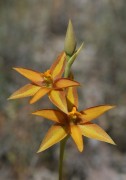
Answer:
(43, 83)
(73, 123)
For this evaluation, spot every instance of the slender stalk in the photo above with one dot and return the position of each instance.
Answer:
(62, 148)
(67, 68)
(67, 71)
(63, 142)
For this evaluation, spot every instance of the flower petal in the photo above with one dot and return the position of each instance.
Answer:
(58, 98)
(94, 112)
(94, 131)
(43, 91)
(53, 115)
(58, 66)
(72, 98)
(64, 82)
(76, 134)
(33, 76)
(25, 91)
(55, 134)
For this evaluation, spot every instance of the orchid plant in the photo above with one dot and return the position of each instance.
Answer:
(62, 92)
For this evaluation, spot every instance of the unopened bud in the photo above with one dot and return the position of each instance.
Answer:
(70, 41)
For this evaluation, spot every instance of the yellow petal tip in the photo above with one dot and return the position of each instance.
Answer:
(15, 68)
(112, 142)
(81, 150)
(114, 106)
(32, 101)
(39, 151)
(35, 113)
(9, 98)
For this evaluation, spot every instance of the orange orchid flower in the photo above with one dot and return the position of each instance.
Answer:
(73, 123)
(43, 83)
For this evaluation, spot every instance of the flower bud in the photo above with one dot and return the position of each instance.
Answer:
(70, 41)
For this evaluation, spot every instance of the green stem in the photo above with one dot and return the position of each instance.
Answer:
(70, 60)
(67, 71)
(63, 142)
(62, 148)
(67, 68)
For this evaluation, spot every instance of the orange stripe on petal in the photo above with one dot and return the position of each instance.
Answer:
(33, 76)
(94, 131)
(42, 92)
(58, 66)
(55, 134)
(25, 91)
(64, 82)
(77, 136)
(94, 112)
(58, 99)
(53, 115)
(72, 98)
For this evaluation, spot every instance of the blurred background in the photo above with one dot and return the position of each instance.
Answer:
(32, 35)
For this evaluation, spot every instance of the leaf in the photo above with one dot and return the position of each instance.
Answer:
(33, 76)
(58, 66)
(94, 131)
(55, 134)
(72, 98)
(72, 59)
(77, 136)
(25, 91)
(58, 99)
(54, 115)
(42, 92)
(64, 83)
(94, 112)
